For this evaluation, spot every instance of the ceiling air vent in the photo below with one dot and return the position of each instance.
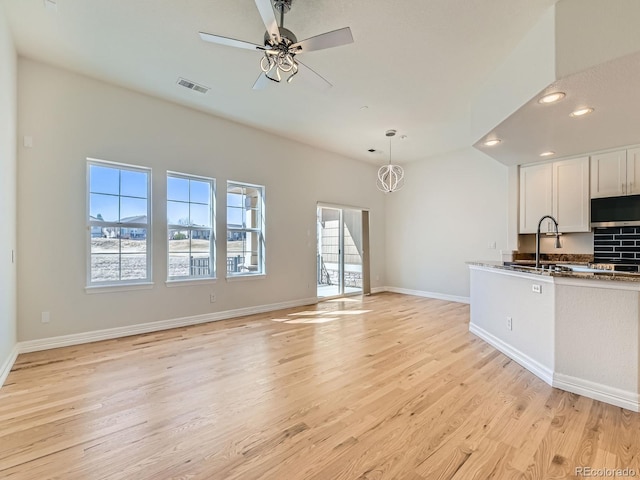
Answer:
(192, 85)
(51, 5)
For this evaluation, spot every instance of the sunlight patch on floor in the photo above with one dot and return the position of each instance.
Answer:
(313, 320)
(307, 313)
(348, 312)
(315, 316)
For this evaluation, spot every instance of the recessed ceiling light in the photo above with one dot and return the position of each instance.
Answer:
(581, 111)
(547, 154)
(492, 142)
(552, 97)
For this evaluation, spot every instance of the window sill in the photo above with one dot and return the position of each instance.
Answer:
(123, 287)
(252, 276)
(186, 282)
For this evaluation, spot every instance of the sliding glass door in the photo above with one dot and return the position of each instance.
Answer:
(341, 245)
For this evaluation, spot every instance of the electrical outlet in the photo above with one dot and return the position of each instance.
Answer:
(491, 245)
(46, 317)
(536, 288)
(510, 323)
(212, 298)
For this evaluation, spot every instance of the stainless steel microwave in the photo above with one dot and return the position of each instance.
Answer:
(615, 211)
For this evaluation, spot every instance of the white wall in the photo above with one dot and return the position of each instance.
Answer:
(496, 295)
(71, 117)
(597, 333)
(8, 72)
(450, 209)
(529, 68)
(591, 32)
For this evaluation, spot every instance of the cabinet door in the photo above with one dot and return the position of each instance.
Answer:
(535, 196)
(633, 171)
(571, 202)
(609, 174)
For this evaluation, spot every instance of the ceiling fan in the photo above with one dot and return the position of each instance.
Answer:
(281, 46)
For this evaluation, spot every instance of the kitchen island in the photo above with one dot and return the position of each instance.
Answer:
(577, 331)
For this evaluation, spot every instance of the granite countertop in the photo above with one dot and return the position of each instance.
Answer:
(605, 275)
(574, 258)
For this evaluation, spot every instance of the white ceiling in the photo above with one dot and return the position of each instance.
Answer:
(416, 64)
(610, 88)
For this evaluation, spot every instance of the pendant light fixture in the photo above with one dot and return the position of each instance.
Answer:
(390, 177)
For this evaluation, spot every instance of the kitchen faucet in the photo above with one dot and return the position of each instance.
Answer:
(557, 244)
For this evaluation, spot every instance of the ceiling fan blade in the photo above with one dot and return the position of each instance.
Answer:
(269, 18)
(311, 76)
(261, 82)
(326, 40)
(229, 42)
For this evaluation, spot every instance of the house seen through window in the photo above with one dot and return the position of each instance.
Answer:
(190, 223)
(245, 229)
(119, 223)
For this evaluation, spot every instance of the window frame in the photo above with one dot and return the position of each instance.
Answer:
(261, 251)
(212, 219)
(90, 284)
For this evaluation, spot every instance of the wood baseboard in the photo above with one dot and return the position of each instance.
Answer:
(7, 365)
(539, 370)
(437, 296)
(597, 391)
(110, 333)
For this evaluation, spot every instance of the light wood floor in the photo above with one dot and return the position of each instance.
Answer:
(384, 387)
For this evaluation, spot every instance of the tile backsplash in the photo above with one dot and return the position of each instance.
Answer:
(616, 243)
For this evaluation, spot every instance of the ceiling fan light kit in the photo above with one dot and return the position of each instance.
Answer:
(279, 58)
(281, 46)
(390, 177)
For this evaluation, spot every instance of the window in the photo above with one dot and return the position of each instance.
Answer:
(245, 229)
(119, 223)
(190, 209)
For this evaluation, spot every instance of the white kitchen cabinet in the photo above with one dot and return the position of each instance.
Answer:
(609, 174)
(633, 171)
(571, 203)
(615, 174)
(536, 194)
(560, 189)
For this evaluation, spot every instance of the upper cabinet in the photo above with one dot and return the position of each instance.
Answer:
(616, 173)
(560, 189)
(535, 196)
(571, 205)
